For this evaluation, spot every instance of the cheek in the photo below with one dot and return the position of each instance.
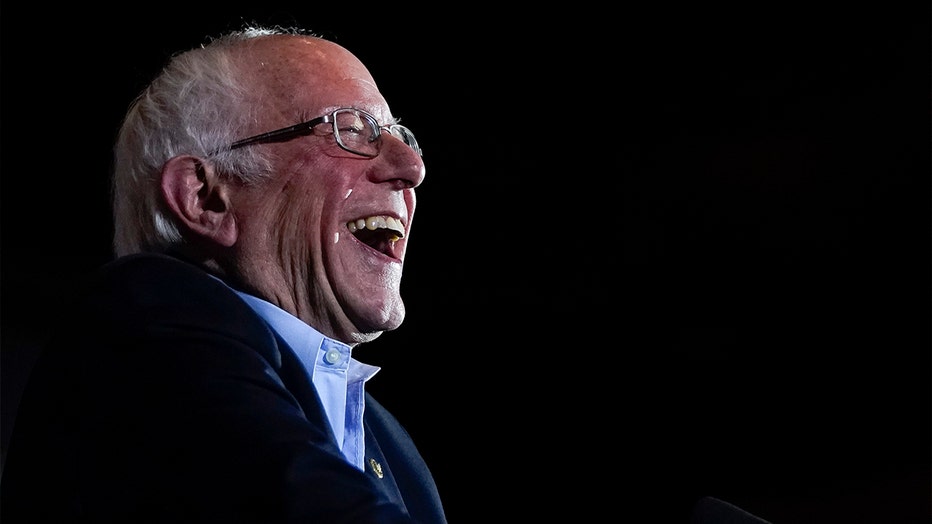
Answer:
(301, 206)
(297, 218)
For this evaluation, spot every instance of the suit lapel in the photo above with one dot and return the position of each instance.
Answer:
(377, 466)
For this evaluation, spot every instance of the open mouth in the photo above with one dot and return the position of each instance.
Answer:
(379, 232)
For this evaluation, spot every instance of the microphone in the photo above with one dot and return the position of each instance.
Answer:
(710, 510)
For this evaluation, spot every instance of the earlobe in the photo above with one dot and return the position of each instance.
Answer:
(199, 199)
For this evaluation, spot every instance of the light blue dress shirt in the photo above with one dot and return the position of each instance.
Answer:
(339, 378)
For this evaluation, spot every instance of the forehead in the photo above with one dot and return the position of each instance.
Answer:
(302, 73)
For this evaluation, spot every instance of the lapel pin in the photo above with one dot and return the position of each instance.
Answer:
(376, 467)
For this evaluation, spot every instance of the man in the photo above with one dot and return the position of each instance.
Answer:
(263, 198)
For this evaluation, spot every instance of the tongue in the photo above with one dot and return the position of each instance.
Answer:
(378, 239)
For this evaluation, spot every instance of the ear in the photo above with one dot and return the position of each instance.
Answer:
(199, 198)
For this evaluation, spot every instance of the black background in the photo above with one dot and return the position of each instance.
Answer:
(660, 252)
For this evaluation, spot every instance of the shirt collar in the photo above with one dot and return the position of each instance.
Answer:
(305, 340)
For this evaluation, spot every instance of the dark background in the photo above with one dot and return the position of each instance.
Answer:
(660, 253)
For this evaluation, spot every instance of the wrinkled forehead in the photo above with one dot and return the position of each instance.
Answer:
(314, 75)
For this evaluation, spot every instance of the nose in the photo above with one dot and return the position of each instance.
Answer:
(401, 163)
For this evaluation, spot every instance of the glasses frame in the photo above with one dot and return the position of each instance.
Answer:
(306, 128)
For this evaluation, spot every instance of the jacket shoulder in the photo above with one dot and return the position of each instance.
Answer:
(139, 293)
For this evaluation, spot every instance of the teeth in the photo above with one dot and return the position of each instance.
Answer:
(378, 222)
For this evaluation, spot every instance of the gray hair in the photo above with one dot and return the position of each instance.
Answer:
(196, 105)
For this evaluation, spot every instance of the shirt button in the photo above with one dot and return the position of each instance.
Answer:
(332, 356)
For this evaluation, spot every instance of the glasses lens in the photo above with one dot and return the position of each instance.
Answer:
(356, 132)
(405, 135)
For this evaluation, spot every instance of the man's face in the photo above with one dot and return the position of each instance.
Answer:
(297, 247)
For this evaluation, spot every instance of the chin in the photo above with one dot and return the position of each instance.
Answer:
(391, 323)
(361, 338)
(371, 327)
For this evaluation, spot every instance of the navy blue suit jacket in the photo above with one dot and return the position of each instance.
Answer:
(165, 398)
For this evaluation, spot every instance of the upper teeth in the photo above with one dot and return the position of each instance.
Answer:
(377, 222)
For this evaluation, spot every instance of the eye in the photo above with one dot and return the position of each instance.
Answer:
(354, 125)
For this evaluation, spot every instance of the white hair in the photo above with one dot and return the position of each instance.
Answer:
(196, 105)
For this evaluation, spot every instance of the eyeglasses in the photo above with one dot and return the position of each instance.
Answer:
(355, 131)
